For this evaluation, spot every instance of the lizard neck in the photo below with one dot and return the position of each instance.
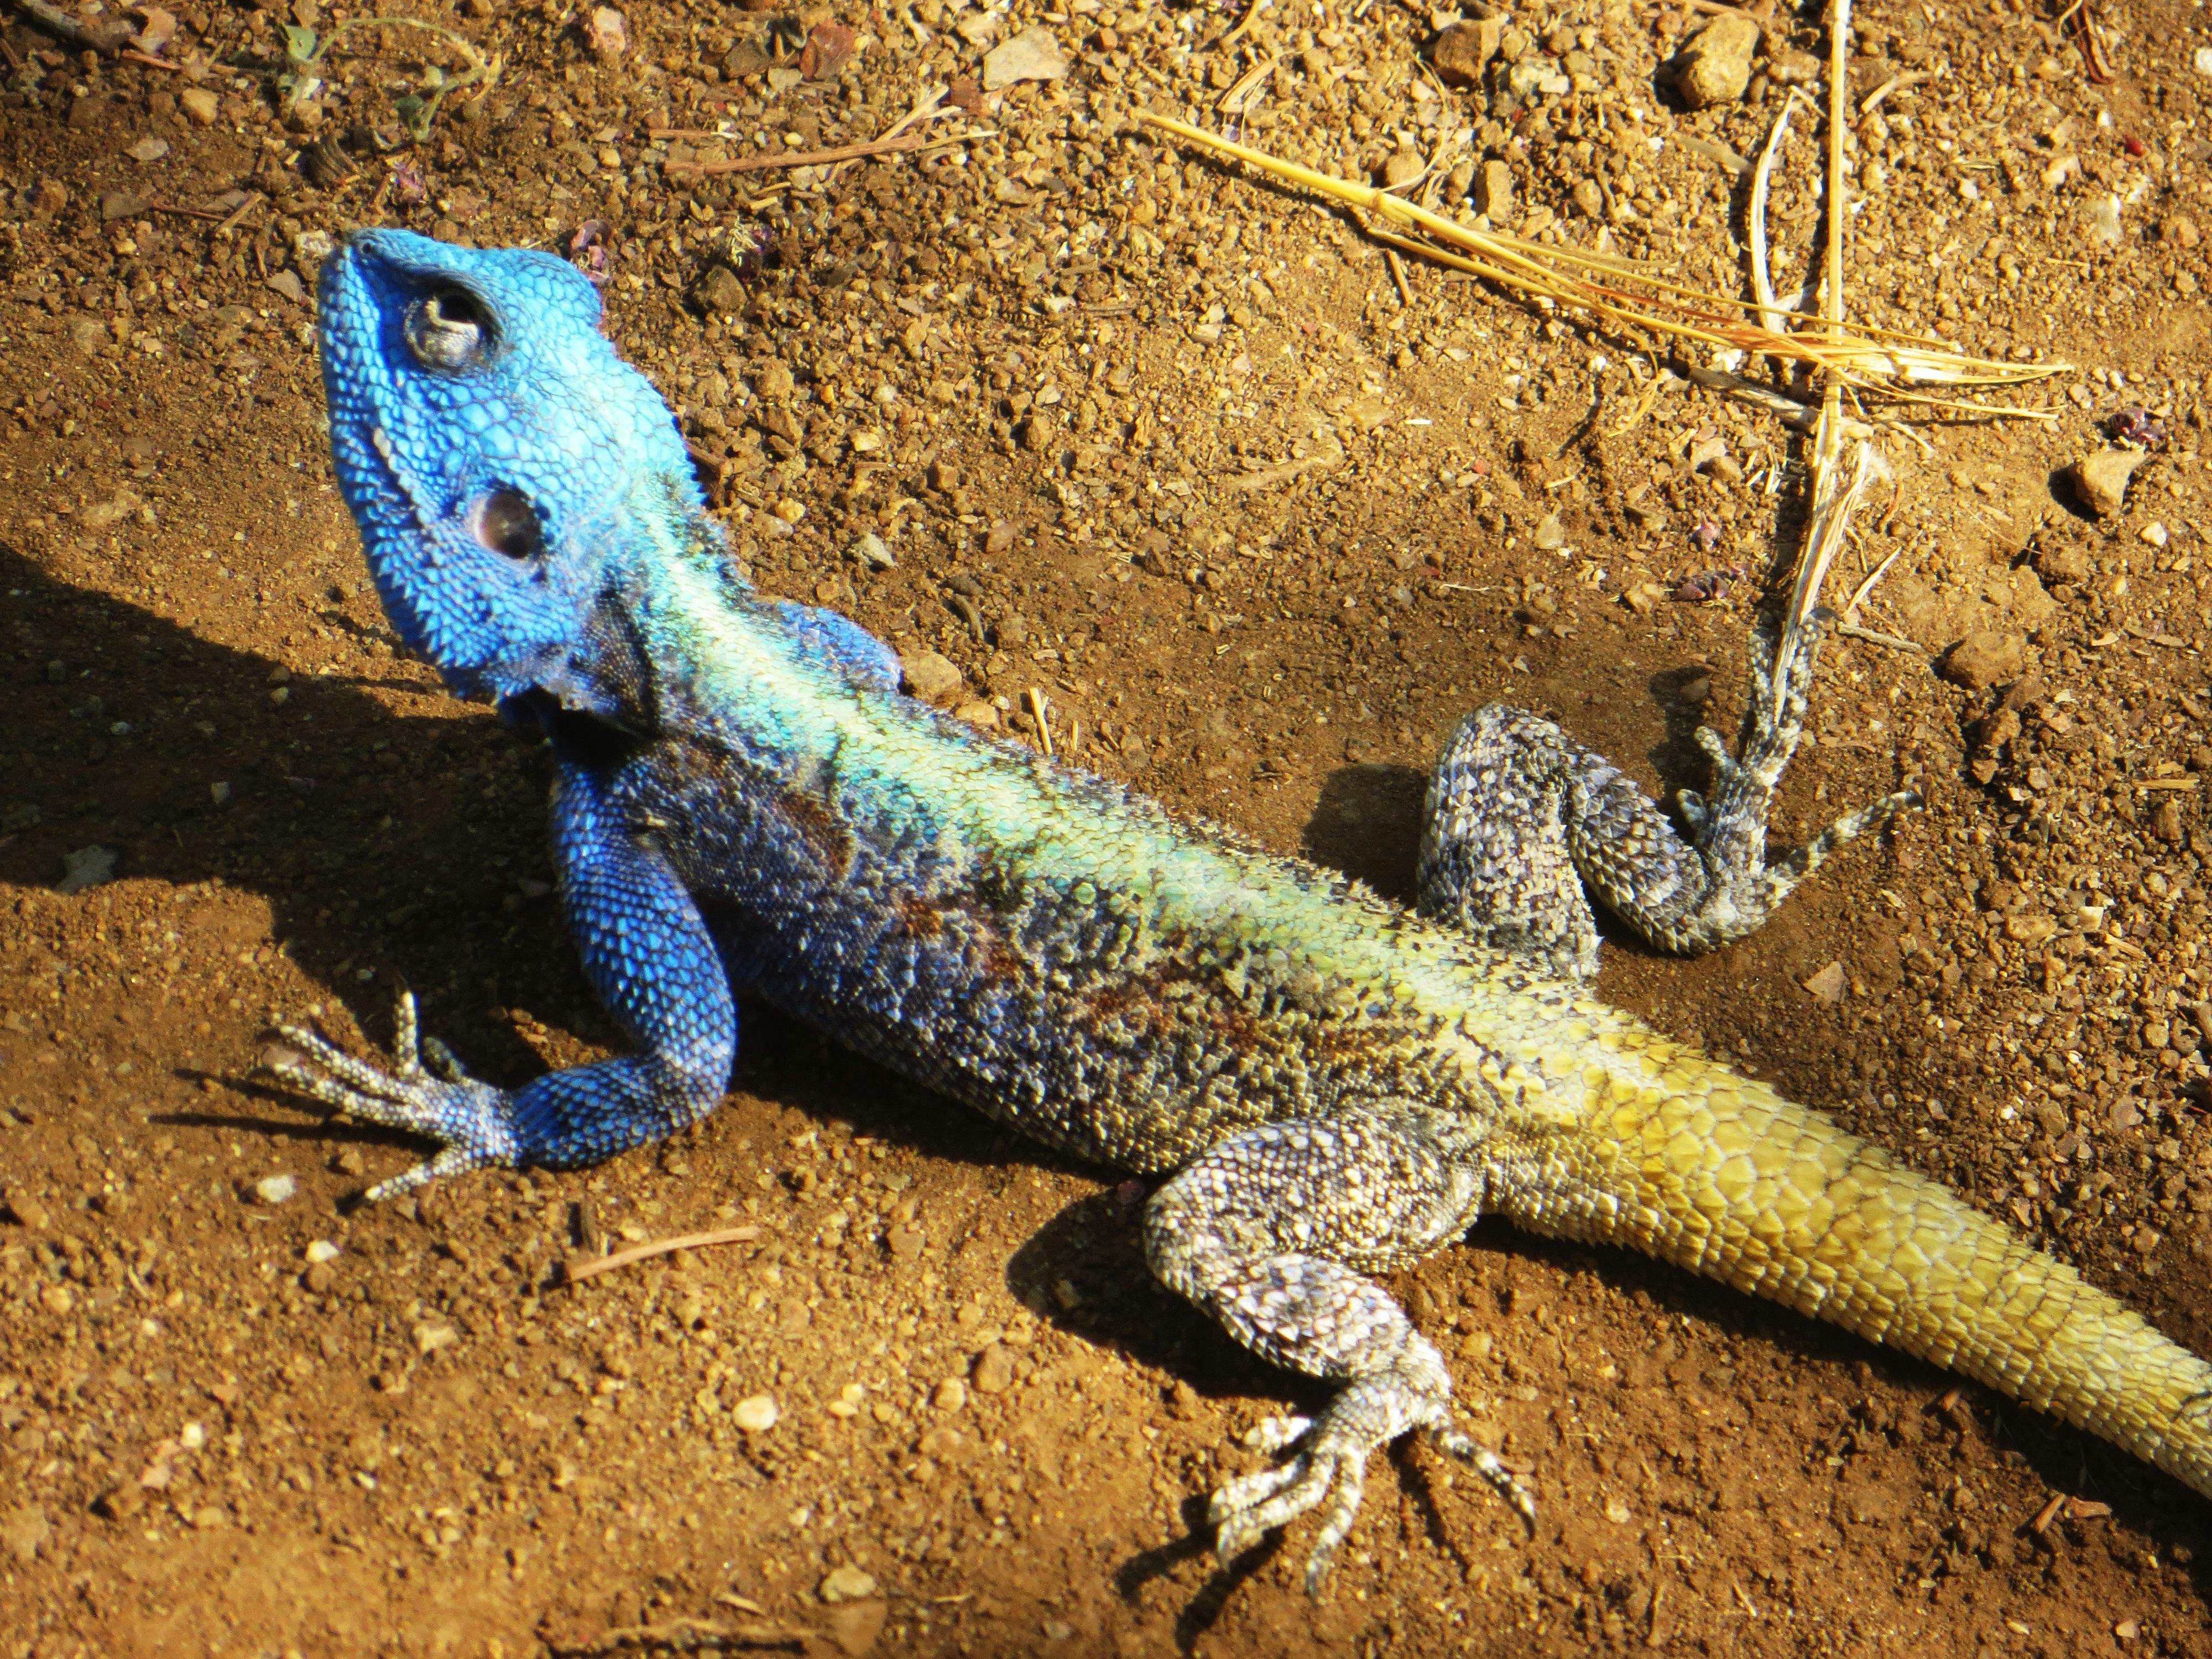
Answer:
(664, 591)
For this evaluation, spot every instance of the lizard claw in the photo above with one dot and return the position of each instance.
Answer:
(1331, 1465)
(468, 1118)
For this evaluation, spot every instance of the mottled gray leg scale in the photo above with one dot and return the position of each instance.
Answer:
(1520, 817)
(1271, 1233)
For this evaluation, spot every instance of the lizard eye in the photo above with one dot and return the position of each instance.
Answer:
(448, 328)
(506, 523)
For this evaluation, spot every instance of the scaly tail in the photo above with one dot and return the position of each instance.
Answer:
(1718, 1174)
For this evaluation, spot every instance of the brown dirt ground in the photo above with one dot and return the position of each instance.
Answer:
(1042, 368)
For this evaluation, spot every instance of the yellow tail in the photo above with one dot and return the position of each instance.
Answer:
(1715, 1172)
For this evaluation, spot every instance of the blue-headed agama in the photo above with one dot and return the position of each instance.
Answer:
(1332, 1084)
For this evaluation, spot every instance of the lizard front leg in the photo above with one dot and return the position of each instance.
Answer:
(1272, 1232)
(650, 958)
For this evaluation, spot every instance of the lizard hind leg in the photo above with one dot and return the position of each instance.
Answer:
(1520, 816)
(1273, 1232)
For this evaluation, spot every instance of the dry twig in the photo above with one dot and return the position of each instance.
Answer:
(576, 1273)
(253, 199)
(795, 158)
(1897, 82)
(692, 1635)
(1875, 637)
(1866, 587)
(184, 212)
(1267, 478)
(1398, 275)
(929, 105)
(104, 37)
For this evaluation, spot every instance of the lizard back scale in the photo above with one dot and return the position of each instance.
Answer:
(1335, 1086)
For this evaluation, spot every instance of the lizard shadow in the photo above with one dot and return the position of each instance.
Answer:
(396, 836)
(335, 803)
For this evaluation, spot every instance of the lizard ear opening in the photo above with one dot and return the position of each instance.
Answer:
(448, 329)
(507, 524)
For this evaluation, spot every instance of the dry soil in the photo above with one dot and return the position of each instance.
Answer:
(1255, 519)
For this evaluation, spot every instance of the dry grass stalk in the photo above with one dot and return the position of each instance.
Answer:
(1762, 279)
(1833, 500)
(1040, 711)
(1875, 364)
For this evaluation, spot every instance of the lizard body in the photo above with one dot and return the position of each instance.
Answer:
(1335, 1085)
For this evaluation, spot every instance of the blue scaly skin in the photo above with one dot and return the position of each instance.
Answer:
(1337, 1086)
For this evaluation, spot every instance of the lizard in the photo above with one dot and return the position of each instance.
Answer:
(1329, 1085)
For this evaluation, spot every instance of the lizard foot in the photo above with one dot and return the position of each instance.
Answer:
(469, 1118)
(1331, 1465)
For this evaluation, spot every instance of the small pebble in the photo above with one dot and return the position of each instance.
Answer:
(933, 677)
(28, 1212)
(1829, 984)
(1716, 66)
(847, 1583)
(755, 1413)
(88, 866)
(1032, 55)
(276, 1189)
(1984, 658)
(994, 1369)
(607, 34)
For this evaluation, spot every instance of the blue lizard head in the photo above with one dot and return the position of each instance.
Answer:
(492, 447)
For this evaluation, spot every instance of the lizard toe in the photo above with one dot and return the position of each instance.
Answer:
(1487, 1464)
(1245, 1511)
(1331, 1468)
(1336, 1521)
(1248, 1491)
(468, 1119)
(1273, 1433)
